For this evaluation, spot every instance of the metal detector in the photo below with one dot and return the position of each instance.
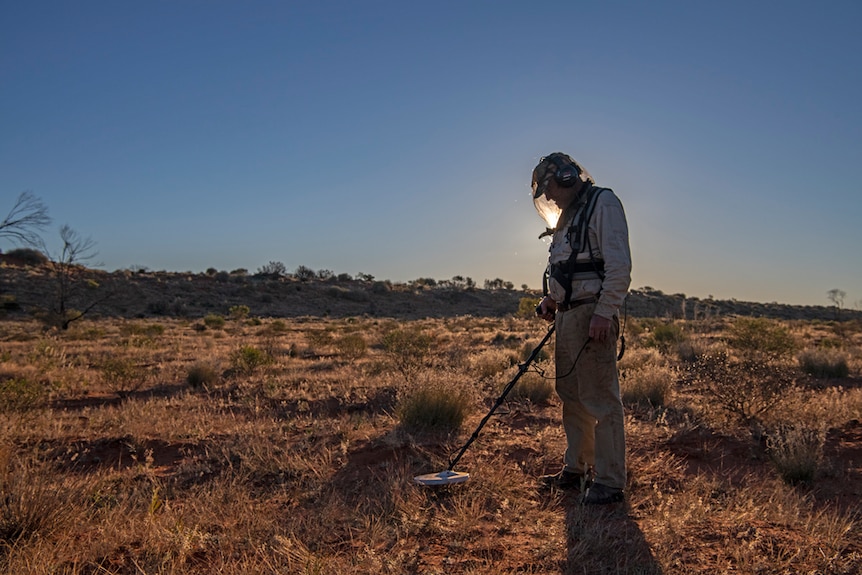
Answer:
(449, 476)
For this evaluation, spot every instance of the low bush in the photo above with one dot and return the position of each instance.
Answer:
(351, 346)
(747, 388)
(651, 385)
(543, 355)
(433, 407)
(534, 388)
(824, 363)
(761, 335)
(693, 348)
(201, 375)
(28, 256)
(796, 451)
(21, 393)
(319, 337)
(248, 358)
(408, 349)
(239, 312)
(122, 374)
(29, 506)
(527, 306)
(640, 357)
(664, 337)
(490, 363)
(214, 321)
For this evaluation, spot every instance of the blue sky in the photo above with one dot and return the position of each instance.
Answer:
(397, 138)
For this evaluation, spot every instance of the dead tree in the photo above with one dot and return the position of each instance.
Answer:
(23, 222)
(67, 270)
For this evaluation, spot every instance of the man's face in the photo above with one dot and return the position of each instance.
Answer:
(560, 195)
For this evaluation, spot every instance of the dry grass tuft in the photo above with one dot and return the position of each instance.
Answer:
(651, 385)
(825, 364)
(433, 406)
(534, 388)
(796, 451)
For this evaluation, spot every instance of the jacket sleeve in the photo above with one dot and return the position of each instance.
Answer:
(609, 230)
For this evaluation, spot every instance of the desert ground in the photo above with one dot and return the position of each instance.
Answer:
(219, 439)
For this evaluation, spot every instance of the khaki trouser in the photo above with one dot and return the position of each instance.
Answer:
(592, 409)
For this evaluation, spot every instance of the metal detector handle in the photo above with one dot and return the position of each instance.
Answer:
(522, 369)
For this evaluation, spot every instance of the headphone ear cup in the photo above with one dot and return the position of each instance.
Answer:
(566, 173)
(566, 176)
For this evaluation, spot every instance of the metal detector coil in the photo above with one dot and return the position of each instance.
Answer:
(449, 476)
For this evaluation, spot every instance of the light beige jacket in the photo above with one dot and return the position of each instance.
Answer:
(609, 239)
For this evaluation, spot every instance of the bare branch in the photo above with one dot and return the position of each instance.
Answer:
(23, 221)
(76, 248)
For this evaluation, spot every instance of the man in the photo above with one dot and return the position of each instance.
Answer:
(587, 279)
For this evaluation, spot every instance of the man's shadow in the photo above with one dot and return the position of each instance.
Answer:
(605, 539)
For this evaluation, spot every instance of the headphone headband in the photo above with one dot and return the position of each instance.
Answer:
(567, 173)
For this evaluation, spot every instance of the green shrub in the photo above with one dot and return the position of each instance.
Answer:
(527, 306)
(248, 358)
(664, 337)
(433, 407)
(214, 321)
(762, 335)
(122, 374)
(239, 312)
(21, 394)
(824, 364)
(351, 346)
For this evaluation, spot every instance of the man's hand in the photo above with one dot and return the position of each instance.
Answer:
(547, 308)
(600, 328)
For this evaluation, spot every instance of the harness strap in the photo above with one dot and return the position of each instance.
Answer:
(577, 235)
(593, 268)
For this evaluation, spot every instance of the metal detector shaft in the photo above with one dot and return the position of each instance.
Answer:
(522, 369)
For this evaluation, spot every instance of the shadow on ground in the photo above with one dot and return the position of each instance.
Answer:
(604, 540)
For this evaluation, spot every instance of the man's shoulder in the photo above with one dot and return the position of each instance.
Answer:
(606, 197)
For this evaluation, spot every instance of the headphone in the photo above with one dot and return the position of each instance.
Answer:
(567, 173)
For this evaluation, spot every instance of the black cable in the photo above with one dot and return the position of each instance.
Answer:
(623, 330)
(574, 363)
